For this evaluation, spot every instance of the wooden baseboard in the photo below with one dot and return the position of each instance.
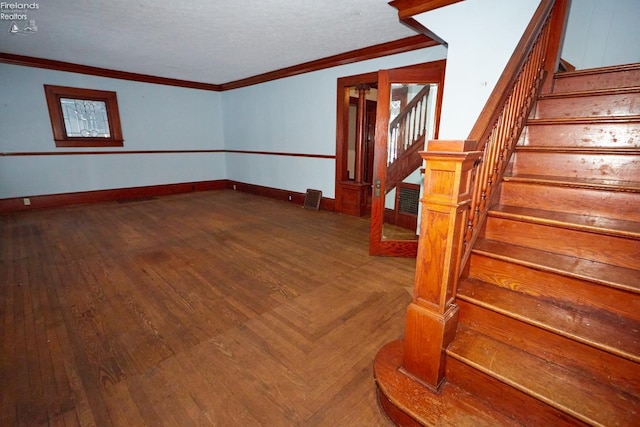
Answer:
(326, 204)
(67, 199)
(17, 204)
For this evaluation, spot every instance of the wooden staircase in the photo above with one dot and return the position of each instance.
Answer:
(549, 327)
(548, 332)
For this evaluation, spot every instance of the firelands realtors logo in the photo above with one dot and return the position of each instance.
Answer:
(17, 15)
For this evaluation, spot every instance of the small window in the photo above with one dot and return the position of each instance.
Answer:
(83, 117)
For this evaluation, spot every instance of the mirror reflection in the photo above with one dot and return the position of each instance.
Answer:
(411, 125)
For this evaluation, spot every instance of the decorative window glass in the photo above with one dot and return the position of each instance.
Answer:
(83, 117)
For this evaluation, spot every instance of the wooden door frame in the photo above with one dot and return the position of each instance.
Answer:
(345, 192)
(430, 72)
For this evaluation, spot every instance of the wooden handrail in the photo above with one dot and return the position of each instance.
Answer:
(511, 73)
(500, 123)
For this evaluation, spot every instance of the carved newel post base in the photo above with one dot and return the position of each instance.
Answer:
(427, 335)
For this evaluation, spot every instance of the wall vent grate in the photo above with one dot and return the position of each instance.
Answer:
(409, 200)
(312, 199)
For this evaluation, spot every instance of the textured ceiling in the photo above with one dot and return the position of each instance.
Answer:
(209, 41)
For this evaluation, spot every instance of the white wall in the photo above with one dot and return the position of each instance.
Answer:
(601, 33)
(294, 115)
(154, 117)
(481, 37)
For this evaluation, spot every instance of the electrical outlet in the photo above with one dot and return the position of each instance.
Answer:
(289, 197)
(26, 201)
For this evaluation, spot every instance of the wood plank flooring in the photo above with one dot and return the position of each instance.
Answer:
(202, 309)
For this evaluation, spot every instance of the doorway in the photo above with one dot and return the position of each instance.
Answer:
(376, 176)
(355, 143)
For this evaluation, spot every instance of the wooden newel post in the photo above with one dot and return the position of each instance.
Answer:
(432, 316)
(558, 23)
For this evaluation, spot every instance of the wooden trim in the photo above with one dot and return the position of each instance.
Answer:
(66, 199)
(29, 61)
(565, 66)
(430, 72)
(54, 95)
(16, 204)
(369, 102)
(418, 27)
(390, 48)
(384, 49)
(76, 153)
(558, 24)
(326, 204)
(342, 120)
(342, 124)
(344, 189)
(599, 70)
(409, 8)
(277, 153)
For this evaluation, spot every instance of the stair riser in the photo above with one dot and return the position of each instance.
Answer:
(620, 251)
(611, 80)
(547, 284)
(609, 135)
(577, 357)
(626, 104)
(611, 204)
(526, 409)
(577, 165)
(394, 413)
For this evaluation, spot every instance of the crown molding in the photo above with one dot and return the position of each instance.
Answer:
(409, 8)
(390, 48)
(49, 64)
(397, 46)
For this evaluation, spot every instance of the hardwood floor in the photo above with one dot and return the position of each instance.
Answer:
(209, 308)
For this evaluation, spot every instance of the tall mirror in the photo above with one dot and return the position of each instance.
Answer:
(411, 124)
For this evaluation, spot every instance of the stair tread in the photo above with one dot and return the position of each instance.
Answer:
(450, 406)
(584, 120)
(635, 151)
(575, 356)
(595, 183)
(569, 220)
(598, 328)
(590, 401)
(590, 92)
(597, 70)
(597, 272)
